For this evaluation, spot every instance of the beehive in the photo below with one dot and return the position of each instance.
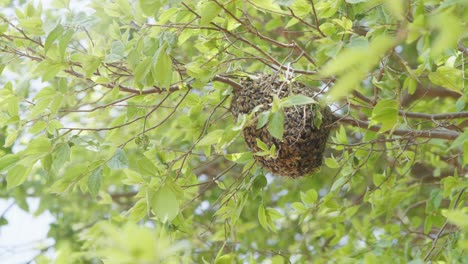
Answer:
(301, 150)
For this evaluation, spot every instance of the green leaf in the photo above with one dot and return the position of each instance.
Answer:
(317, 115)
(118, 161)
(262, 217)
(13, 105)
(465, 153)
(338, 183)
(94, 181)
(56, 104)
(142, 69)
(49, 69)
(167, 15)
(449, 29)
(386, 113)
(276, 124)
(53, 35)
(297, 99)
(40, 107)
(341, 136)
(331, 163)
(299, 207)
(149, 7)
(428, 223)
(90, 65)
(138, 211)
(7, 161)
(242, 157)
(378, 178)
(10, 139)
(162, 69)
(346, 83)
(61, 155)
(309, 197)
(259, 182)
(261, 144)
(17, 175)
(208, 12)
(211, 138)
(356, 1)
(354, 63)
(165, 204)
(38, 127)
(64, 40)
(458, 217)
(410, 84)
(328, 8)
(263, 119)
(461, 142)
(266, 5)
(225, 259)
(45, 92)
(39, 146)
(283, 2)
(32, 26)
(53, 126)
(448, 77)
(301, 8)
(273, 214)
(397, 8)
(3, 221)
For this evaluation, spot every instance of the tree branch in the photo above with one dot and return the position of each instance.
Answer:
(233, 84)
(449, 135)
(430, 91)
(443, 116)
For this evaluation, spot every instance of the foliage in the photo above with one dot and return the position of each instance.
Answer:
(116, 116)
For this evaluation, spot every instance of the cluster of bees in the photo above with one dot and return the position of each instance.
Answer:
(300, 152)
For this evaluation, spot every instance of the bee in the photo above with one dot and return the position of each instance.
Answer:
(300, 152)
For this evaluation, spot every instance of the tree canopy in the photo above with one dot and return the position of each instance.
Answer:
(117, 116)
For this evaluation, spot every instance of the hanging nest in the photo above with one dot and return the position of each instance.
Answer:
(301, 150)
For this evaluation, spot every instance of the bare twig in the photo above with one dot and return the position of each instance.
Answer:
(442, 229)
(443, 116)
(449, 135)
(316, 19)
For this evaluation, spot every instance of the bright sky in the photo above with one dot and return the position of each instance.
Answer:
(24, 234)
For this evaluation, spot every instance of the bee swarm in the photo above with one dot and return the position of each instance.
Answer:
(301, 150)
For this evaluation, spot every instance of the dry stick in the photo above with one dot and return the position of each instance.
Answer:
(442, 229)
(316, 19)
(449, 135)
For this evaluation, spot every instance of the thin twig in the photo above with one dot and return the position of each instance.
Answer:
(443, 116)
(449, 135)
(442, 229)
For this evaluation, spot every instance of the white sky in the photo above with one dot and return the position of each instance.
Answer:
(24, 233)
